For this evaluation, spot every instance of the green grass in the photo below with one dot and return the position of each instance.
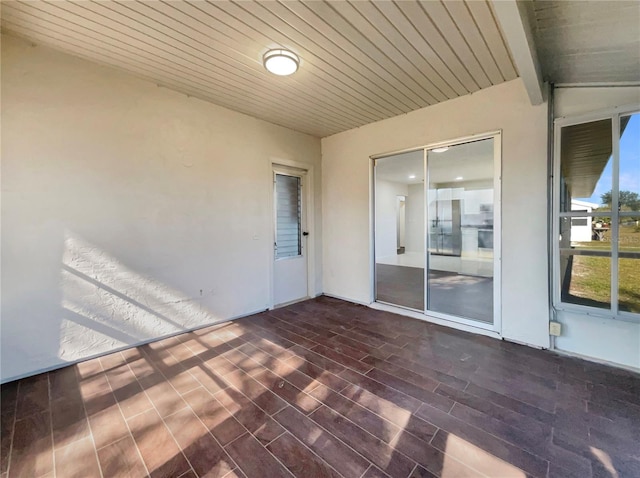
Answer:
(591, 276)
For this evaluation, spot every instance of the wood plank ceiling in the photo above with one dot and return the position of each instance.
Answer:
(360, 61)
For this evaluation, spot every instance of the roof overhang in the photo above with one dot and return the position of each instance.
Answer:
(515, 21)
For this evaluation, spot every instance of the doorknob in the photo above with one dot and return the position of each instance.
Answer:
(305, 233)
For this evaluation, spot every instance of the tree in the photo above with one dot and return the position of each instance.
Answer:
(627, 200)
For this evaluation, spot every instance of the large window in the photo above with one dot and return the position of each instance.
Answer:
(597, 203)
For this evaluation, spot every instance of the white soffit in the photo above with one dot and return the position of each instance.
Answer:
(588, 42)
(361, 61)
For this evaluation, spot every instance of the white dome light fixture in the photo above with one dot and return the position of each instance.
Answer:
(440, 150)
(281, 62)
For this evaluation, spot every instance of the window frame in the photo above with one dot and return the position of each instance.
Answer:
(614, 115)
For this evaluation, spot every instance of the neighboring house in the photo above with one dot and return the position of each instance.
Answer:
(581, 227)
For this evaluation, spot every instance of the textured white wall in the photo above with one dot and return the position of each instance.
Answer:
(346, 197)
(606, 339)
(128, 211)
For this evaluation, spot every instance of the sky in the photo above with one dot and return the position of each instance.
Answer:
(629, 163)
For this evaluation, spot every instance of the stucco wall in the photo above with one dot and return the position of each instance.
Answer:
(128, 211)
(347, 197)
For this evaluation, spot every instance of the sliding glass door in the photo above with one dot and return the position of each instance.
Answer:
(399, 239)
(437, 231)
(460, 252)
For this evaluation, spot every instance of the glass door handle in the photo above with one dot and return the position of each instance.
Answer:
(305, 233)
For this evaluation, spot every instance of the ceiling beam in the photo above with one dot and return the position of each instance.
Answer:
(514, 20)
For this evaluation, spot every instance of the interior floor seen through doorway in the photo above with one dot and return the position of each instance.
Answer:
(400, 281)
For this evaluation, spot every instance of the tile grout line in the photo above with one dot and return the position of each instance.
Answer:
(396, 434)
(351, 383)
(201, 364)
(275, 457)
(123, 418)
(369, 467)
(240, 436)
(314, 453)
(167, 380)
(188, 371)
(347, 398)
(345, 366)
(53, 443)
(271, 441)
(284, 379)
(286, 404)
(291, 366)
(86, 417)
(422, 402)
(212, 435)
(412, 471)
(207, 428)
(267, 414)
(365, 375)
(13, 428)
(153, 405)
(492, 434)
(365, 431)
(434, 435)
(263, 446)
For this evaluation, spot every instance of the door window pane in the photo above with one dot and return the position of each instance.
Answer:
(288, 227)
(399, 229)
(460, 202)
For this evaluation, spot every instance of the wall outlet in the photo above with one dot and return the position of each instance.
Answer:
(555, 329)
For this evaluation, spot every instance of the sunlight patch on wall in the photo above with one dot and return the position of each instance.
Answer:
(107, 305)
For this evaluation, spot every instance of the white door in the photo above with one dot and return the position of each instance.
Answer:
(290, 243)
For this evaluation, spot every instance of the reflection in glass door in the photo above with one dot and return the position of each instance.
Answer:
(437, 231)
(461, 205)
(399, 230)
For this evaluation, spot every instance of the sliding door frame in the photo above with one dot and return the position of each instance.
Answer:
(496, 326)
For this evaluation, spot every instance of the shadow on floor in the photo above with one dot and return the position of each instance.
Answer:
(324, 388)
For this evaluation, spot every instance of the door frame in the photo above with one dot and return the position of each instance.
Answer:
(306, 172)
(446, 319)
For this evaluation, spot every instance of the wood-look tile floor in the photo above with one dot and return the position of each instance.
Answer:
(324, 388)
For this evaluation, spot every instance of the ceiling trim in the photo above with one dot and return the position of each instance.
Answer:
(599, 84)
(516, 28)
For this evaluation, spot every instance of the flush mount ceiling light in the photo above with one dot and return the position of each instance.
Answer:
(412, 176)
(440, 150)
(459, 178)
(281, 62)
